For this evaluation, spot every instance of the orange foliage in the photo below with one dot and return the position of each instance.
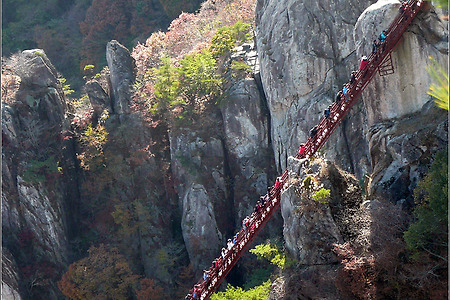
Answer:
(10, 84)
(189, 33)
(192, 32)
(150, 290)
(104, 274)
(105, 20)
(356, 277)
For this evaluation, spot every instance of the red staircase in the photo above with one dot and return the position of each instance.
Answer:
(379, 61)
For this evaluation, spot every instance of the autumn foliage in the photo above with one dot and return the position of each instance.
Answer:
(104, 274)
(150, 290)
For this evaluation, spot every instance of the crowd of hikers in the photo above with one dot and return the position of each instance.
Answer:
(248, 227)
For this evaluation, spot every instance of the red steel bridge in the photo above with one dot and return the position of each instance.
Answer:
(377, 61)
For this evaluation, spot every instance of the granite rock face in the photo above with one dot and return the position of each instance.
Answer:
(121, 66)
(306, 51)
(246, 126)
(401, 152)
(10, 277)
(34, 153)
(224, 161)
(313, 227)
(199, 165)
(405, 91)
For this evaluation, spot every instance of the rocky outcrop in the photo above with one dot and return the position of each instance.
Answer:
(246, 123)
(405, 91)
(309, 228)
(313, 226)
(10, 277)
(98, 98)
(198, 163)
(224, 164)
(37, 171)
(121, 67)
(402, 150)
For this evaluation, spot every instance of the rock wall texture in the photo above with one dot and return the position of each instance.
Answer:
(224, 164)
(306, 51)
(405, 91)
(10, 277)
(219, 163)
(36, 227)
(312, 227)
(121, 66)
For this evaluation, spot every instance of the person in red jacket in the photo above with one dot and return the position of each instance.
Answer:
(302, 150)
(363, 63)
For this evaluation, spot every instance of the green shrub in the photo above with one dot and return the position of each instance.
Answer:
(198, 76)
(307, 182)
(439, 87)
(236, 293)
(271, 253)
(66, 87)
(322, 195)
(226, 38)
(38, 169)
(166, 87)
(429, 231)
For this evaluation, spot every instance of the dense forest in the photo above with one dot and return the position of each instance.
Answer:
(74, 33)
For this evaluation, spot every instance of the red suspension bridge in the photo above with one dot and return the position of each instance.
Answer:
(379, 60)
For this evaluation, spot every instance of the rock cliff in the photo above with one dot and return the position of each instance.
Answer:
(38, 173)
(307, 51)
(169, 195)
(224, 163)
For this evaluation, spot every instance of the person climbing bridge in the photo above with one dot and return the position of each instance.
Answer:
(375, 46)
(353, 77)
(235, 239)
(205, 275)
(302, 150)
(196, 291)
(258, 206)
(223, 253)
(326, 112)
(313, 132)
(245, 224)
(277, 183)
(230, 244)
(363, 65)
(338, 97)
(345, 91)
(383, 36)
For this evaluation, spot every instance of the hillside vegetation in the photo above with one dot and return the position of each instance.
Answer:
(74, 33)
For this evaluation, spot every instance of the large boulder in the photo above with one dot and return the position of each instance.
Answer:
(198, 163)
(401, 152)
(312, 227)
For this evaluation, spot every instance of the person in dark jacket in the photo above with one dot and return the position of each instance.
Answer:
(375, 46)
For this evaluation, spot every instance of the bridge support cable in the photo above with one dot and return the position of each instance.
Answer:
(378, 61)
